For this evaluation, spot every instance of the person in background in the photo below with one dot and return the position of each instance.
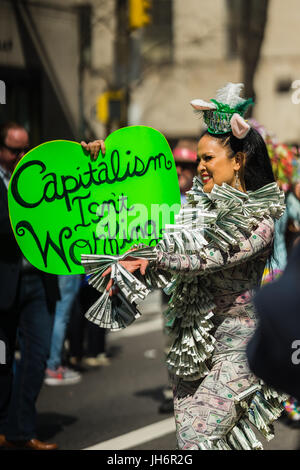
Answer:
(185, 156)
(27, 305)
(293, 213)
(87, 342)
(273, 351)
(56, 373)
(290, 232)
(285, 164)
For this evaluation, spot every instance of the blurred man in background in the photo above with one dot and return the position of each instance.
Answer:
(27, 303)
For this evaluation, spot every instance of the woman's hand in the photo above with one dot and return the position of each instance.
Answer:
(131, 265)
(94, 148)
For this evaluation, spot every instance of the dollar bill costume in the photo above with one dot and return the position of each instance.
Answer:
(210, 262)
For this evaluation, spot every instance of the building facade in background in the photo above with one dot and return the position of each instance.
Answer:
(74, 69)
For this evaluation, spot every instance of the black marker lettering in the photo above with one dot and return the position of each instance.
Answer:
(15, 181)
(70, 184)
(81, 243)
(65, 232)
(79, 199)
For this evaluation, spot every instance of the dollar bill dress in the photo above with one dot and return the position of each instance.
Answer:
(211, 262)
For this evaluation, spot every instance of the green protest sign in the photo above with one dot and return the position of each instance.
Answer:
(63, 205)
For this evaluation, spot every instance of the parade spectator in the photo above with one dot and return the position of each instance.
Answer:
(56, 372)
(27, 304)
(185, 156)
(285, 164)
(287, 235)
(87, 342)
(273, 351)
(293, 222)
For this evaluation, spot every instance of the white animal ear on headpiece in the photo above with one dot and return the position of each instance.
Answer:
(201, 105)
(239, 126)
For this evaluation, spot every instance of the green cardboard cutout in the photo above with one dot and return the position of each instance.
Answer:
(63, 205)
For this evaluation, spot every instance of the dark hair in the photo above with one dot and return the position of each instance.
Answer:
(258, 169)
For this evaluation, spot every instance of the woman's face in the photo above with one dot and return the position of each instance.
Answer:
(215, 166)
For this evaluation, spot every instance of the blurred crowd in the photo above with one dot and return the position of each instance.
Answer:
(42, 318)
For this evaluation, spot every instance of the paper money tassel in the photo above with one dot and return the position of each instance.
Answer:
(121, 310)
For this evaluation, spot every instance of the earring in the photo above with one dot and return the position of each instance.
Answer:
(237, 180)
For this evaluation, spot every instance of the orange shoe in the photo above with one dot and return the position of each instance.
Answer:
(33, 444)
(2, 440)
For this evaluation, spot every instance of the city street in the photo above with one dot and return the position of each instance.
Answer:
(174, 125)
(116, 407)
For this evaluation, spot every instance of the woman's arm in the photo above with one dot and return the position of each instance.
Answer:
(209, 260)
(213, 259)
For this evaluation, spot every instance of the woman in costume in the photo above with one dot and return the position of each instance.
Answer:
(210, 262)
